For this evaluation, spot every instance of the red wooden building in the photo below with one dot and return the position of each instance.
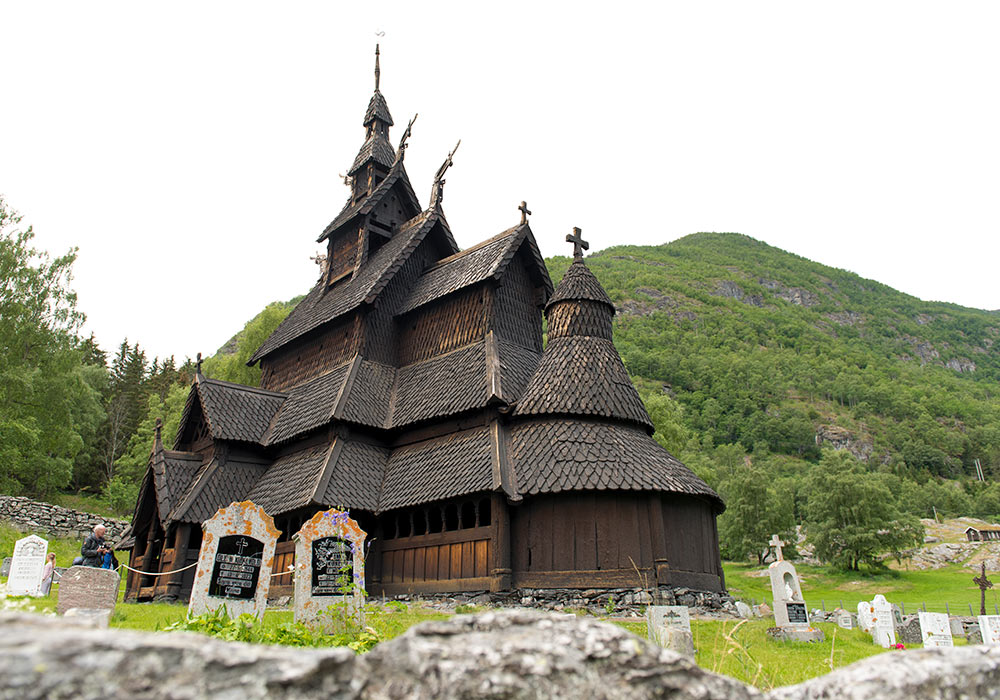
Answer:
(411, 386)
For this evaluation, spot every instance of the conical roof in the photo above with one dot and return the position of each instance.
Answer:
(579, 284)
(377, 109)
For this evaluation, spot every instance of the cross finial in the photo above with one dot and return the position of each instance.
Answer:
(776, 543)
(983, 584)
(377, 71)
(197, 364)
(579, 245)
(158, 428)
(525, 212)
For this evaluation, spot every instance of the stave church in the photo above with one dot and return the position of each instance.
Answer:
(477, 422)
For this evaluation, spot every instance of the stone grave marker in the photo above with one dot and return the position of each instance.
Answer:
(5, 567)
(329, 564)
(235, 560)
(883, 622)
(989, 627)
(25, 576)
(88, 587)
(909, 632)
(743, 610)
(866, 615)
(845, 620)
(790, 614)
(935, 630)
(670, 627)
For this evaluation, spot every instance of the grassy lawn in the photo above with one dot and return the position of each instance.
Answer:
(821, 586)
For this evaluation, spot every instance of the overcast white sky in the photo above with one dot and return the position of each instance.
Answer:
(192, 150)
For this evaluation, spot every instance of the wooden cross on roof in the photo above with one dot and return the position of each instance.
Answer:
(158, 428)
(983, 584)
(525, 212)
(579, 245)
(776, 544)
(197, 364)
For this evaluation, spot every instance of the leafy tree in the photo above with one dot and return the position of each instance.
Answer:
(852, 516)
(755, 510)
(48, 400)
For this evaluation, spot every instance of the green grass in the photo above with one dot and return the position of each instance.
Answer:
(825, 586)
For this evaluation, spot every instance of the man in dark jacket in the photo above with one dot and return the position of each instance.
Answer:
(93, 549)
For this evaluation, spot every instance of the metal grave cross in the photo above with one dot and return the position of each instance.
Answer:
(983, 584)
(776, 543)
(241, 544)
(579, 245)
(525, 212)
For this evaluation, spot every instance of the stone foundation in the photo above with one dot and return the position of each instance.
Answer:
(36, 517)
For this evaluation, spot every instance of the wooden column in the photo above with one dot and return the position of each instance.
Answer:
(181, 538)
(500, 571)
(658, 540)
(132, 580)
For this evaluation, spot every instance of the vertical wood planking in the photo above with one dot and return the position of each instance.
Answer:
(468, 560)
(645, 547)
(543, 535)
(408, 556)
(607, 532)
(585, 532)
(419, 560)
(628, 530)
(481, 567)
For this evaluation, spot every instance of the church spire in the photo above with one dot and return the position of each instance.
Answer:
(378, 73)
(377, 155)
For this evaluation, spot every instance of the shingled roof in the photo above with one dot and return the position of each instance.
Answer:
(233, 411)
(172, 473)
(397, 175)
(377, 109)
(445, 467)
(483, 261)
(420, 394)
(355, 477)
(377, 148)
(579, 284)
(324, 303)
(583, 376)
(308, 406)
(549, 456)
(216, 485)
(290, 482)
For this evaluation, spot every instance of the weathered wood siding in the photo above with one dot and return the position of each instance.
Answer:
(593, 539)
(342, 254)
(517, 318)
(456, 320)
(458, 560)
(380, 339)
(304, 360)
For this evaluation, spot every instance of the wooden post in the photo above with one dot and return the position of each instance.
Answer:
(658, 542)
(501, 578)
(181, 538)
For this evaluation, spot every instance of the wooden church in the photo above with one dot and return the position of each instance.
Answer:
(412, 386)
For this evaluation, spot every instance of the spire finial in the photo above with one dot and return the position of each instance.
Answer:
(579, 245)
(377, 71)
(525, 212)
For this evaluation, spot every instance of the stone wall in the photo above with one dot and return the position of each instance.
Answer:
(502, 655)
(46, 519)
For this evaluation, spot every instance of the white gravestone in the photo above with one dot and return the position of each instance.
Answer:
(329, 564)
(26, 566)
(845, 620)
(883, 622)
(670, 627)
(866, 613)
(234, 564)
(789, 606)
(989, 626)
(935, 630)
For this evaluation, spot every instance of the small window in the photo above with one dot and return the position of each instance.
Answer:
(419, 523)
(484, 512)
(388, 524)
(451, 517)
(434, 522)
(468, 514)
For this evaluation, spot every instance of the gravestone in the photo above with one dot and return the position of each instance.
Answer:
(5, 567)
(26, 566)
(88, 587)
(866, 615)
(743, 610)
(909, 632)
(935, 630)
(844, 619)
(957, 626)
(235, 560)
(670, 627)
(883, 622)
(989, 628)
(790, 615)
(329, 564)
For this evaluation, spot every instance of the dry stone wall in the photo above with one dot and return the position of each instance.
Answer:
(36, 517)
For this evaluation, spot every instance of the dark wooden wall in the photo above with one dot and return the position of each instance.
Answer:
(594, 539)
(381, 338)
(456, 320)
(342, 254)
(303, 360)
(518, 319)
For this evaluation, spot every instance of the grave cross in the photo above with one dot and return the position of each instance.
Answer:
(198, 364)
(579, 245)
(776, 543)
(241, 545)
(525, 212)
(983, 584)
